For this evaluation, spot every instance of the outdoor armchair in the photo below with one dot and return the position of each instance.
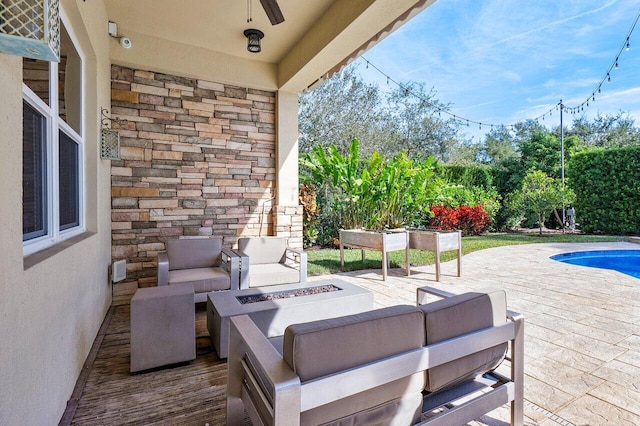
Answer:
(269, 261)
(401, 365)
(199, 261)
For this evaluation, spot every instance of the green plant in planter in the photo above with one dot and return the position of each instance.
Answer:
(372, 193)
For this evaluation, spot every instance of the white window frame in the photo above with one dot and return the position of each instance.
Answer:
(55, 124)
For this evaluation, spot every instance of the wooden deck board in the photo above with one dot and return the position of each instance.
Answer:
(191, 393)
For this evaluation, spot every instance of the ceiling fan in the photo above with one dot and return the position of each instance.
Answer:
(273, 11)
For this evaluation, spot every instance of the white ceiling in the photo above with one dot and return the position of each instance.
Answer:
(217, 25)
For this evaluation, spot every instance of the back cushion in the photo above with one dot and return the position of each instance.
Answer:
(457, 315)
(263, 249)
(194, 253)
(318, 348)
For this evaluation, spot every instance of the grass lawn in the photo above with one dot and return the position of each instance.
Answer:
(327, 261)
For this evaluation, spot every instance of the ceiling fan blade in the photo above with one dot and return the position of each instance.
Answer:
(273, 11)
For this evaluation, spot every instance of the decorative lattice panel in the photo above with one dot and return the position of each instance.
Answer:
(109, 144)
(30, 28)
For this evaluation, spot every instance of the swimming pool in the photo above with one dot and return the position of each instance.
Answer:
(625, 261)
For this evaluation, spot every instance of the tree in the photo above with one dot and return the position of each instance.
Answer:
(608, 130)
(542, 152)
(405, 119)
(499, 145)
(341, 109)
(419, 128)
(540, 194)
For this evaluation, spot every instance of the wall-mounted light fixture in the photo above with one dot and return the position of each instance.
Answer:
(109, 138)
(31, 29)
(253, 40)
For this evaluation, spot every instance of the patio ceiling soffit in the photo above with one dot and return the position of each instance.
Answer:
(341, 36)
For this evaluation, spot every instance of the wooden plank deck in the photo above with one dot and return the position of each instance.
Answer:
(191, 393)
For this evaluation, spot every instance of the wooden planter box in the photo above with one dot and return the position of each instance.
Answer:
(437, 242)
(384, 241)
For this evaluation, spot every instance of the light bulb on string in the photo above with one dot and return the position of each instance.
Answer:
(575, 110)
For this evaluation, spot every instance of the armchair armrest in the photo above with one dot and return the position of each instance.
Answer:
(244, 269)
(255, 368)
(163, 268)
(423, 292)
(298, 256)
(231, 264)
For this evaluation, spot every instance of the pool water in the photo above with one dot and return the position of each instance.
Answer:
(625, 261)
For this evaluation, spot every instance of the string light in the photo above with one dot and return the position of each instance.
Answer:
(573, 110)
(625, 46)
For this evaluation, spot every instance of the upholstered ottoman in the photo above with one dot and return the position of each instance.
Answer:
(162, 326)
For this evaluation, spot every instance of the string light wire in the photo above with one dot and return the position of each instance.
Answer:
(573, 109)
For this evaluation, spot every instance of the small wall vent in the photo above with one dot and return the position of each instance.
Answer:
(119, 271)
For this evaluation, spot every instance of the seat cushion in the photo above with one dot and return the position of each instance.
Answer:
(194, 253)
(272, 274)
(203, 279)
(458, 315)
(263, 250)
(320, 348)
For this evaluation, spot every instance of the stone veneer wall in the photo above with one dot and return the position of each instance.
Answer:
(197, 157)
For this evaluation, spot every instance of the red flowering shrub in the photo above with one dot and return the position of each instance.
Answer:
(470, 220)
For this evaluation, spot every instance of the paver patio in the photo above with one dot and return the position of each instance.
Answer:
(582, 327)
(582, 344)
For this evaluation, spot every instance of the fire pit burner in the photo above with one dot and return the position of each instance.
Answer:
(287, 294)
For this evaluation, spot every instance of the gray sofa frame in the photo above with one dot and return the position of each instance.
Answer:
(290, 397)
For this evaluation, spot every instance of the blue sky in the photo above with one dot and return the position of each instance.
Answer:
(504, 61)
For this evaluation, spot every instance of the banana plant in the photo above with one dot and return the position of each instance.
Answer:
(372, 193)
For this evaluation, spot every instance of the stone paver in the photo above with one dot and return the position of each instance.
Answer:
(582, 327)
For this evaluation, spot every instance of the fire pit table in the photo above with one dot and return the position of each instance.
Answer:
(273, 308)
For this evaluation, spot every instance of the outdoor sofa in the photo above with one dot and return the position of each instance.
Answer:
(200, 261)
(391, 366)
(266, 261)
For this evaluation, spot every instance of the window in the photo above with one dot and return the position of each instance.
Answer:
(53, 148)
(34, 174)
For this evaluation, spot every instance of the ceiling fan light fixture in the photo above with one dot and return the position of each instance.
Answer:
(253, 39)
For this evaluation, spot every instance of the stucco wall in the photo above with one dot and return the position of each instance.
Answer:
(50, 313)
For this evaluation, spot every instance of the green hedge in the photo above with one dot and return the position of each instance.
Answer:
(607, 187)
(466, 175)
